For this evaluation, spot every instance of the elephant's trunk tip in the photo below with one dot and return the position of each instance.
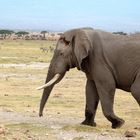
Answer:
(40, 115)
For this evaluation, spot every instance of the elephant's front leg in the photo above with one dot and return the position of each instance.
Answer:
(92, 100)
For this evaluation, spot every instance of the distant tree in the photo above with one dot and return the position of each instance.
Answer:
(120, 33)
(44, 34)
(60, 33)
(22, 33)
(4, 33)
(137, 32)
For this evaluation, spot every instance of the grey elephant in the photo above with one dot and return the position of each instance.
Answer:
(109, 61)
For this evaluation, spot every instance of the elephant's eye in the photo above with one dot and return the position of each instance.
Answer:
(63, 40)
(66, 42)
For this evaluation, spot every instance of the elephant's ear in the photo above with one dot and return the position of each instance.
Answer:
(82, 47)
(80, 43)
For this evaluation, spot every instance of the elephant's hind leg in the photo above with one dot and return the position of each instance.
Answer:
(92, 100)
(106, 91)
(107, 101)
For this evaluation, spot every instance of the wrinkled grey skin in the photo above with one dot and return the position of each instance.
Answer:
(109, 62)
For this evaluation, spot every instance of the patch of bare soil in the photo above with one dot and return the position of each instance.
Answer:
(56, 124)
(25, 66)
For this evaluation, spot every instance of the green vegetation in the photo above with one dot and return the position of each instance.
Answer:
(4, 33)
(120, 33)
(44, 32)
(22, 33)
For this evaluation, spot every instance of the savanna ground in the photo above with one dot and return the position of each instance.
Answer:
(23, 67)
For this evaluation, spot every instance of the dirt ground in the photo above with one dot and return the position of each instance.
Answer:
(57, 126)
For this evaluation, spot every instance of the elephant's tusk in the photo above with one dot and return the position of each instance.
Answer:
(50, 82)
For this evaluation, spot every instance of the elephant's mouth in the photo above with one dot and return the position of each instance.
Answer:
(68, 68)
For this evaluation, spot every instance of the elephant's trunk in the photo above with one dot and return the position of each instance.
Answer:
(48, 89)
(44, 99)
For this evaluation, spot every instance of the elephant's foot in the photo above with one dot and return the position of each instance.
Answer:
(89, 118)
(117, 123)
(89, 123)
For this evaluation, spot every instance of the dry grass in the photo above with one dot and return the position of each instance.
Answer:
(66, 103)
(22, 51)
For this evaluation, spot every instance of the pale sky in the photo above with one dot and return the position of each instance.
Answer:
(61, 15)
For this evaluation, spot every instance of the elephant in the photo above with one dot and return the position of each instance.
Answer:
(109, 62)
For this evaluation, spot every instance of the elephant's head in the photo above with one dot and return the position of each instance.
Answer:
(72, 48)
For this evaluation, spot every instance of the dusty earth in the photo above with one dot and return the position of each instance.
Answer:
(57, 124)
